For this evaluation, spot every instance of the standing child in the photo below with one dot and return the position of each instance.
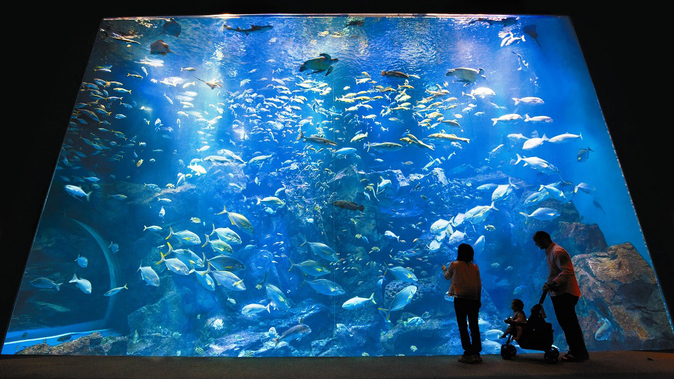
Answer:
(518, 316)
(466, 288)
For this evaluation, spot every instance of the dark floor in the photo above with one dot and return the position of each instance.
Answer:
(610, 365)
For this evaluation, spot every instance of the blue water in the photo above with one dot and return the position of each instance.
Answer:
(153, 155)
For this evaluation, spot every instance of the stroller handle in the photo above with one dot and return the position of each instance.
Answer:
(545, 292)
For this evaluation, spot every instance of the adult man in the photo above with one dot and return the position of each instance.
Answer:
(564, 293)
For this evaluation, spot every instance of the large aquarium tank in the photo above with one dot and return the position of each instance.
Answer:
(282, 186)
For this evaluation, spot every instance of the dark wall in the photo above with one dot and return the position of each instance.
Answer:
(46, 49)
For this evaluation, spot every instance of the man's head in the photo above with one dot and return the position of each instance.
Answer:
(542, 239)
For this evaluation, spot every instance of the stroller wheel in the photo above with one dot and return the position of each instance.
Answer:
(551, 355)
(508, 351)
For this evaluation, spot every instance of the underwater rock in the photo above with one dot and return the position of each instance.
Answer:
(579, 238)
(157, 325)
(93, 344)
(620, 287)
(430, 337)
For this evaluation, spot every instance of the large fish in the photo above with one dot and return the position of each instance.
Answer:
(229, 280)
(403, 274)
(401, 299)
(358, 302)
(294, 333)
(172, 28)
(149, 275)
(350, 205)
(278, 299)
(83, 284)
(185, 236)
(239, 220)
(316, 139)
(326, 287)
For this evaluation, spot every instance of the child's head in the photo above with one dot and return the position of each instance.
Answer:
(517, 305)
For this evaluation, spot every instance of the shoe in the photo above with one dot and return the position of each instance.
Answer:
(465, 358)
(475, 359)
(568, 357)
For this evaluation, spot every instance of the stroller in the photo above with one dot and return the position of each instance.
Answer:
(536, 335)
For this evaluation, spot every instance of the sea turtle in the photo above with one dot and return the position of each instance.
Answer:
(319, 64)
(467, 75)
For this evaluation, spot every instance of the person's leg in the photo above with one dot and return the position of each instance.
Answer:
(461, 314)
(476, 342)
(565, 310)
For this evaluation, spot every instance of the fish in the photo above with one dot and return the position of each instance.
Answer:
(400, 300)
(171, 27)
(391, 235)
(414, 321)
(583, 154)
(225, 263)
(603, 333)
(479, 213)
(358, 137)
(185, 236)
(278, 299)
(543, 214)
(519, 289)
(149, 275)
(531, 31)
(228, 280)
(272, 201)
(204, 278)
(537, 118)
(535, 142)
(345, 151)
(316, 139)
(537, 164)
(82, 261)
(152, 228)
(326, 287)
(402, 274)
(384, 146)
(83, 284)
(115, 291)
(530, 100)
(322, 250)
(478, 245)
(218, 245)
(253, 309)
(350, 205)
(160, 47)
(174, 264)
(77, 192)
(566, 137)
(508, 118)
(465, 74)
(239, 220)
(294, 333)
(451, 137)
(393, 73)
(311, 267)
(227, 235)
(252, 29)
(45, 283)
(358, 302)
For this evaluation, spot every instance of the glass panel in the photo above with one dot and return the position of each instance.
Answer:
(291, 186)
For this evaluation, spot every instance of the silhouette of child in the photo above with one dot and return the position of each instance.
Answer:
(518, 316)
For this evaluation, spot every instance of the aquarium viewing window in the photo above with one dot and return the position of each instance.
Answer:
(265, 186)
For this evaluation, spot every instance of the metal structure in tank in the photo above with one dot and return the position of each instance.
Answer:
(262, 185)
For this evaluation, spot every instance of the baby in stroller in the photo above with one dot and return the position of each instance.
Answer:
(514, 322)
